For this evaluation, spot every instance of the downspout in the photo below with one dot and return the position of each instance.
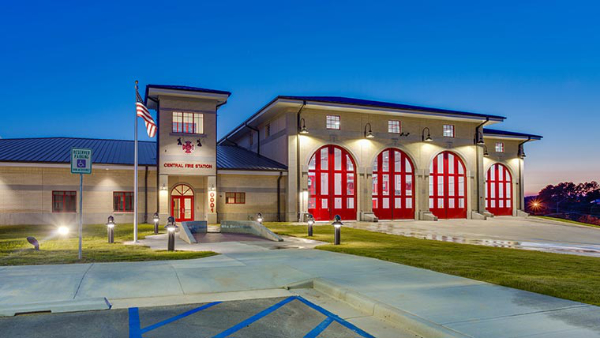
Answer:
(279, 196)
(257, 137)
(298, 174)
(146, 195)
(477, 131)
(521, 155)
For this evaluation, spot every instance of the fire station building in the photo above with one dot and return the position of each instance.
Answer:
(297, 155)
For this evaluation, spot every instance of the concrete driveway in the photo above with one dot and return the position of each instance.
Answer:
(518, 232)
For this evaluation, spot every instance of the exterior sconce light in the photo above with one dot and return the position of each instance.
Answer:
(368, 133)
(156, 220)
(259, 218)
(163, 187)
(521, 153)
(485, 151)
(303, 129)
(171, 227)
(337, 224)
(34, 242)
(179, 143)
(110, 227)
(311, 222)
(199, 143)
(428, 138)
(480, 140)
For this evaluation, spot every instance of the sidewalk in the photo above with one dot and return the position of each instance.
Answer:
(468, 307)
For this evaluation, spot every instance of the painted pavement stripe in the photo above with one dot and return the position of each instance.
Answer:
(336, 318)
(254, 318)
(320, 328)
(134, 323)
(172, 319)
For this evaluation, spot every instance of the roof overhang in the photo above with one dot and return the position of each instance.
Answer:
(283, 104)
(153, 92)
(509, 135)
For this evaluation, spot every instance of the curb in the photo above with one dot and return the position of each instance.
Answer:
(384, 311)
(88, 304)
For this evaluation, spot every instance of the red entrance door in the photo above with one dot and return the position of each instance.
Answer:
(447, 186)
(393, 189)
(498, 191)
(182, 203)
(331, 184)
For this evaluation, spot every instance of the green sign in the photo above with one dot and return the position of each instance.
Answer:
(81, 161)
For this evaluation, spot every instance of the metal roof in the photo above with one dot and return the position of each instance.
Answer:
(380, 104)
(233, 157)
(58, 150)
(487, 131)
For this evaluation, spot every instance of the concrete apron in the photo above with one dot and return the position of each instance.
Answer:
(426, 302)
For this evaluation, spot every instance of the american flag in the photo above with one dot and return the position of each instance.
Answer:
(143, 112)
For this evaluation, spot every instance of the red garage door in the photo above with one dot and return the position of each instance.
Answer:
(332, 184)
(447, 186)
(393, 188)
(498, 191)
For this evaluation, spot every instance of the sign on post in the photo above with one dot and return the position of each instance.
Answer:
(81, 163)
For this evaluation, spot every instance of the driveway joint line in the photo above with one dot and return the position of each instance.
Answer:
(81, 281)
(520, 314)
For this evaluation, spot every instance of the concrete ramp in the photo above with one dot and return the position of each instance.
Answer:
(249, 227)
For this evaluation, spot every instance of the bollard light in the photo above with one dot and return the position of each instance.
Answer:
(110, 227)
(156, 220)
(171, 227)
(337, 224)
(311, 222)
(34, 242)
(63, 230)
(259, 218)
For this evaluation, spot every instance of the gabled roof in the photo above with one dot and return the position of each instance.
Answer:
(509, 134)
(188, 89)
(120, 152)
(380, 104)
(153, 91)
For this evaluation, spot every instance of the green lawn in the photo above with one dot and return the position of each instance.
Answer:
(568, 221)
(565, 276)
(15, 250)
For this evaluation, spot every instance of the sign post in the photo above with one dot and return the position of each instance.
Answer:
(81, 163)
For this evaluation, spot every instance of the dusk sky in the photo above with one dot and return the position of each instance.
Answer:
(69, 69)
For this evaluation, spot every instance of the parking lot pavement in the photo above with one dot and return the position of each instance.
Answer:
(292, 316)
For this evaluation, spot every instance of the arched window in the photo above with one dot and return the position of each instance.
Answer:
(393, 191)
(498, 190)
(332, 184)
(448, 186)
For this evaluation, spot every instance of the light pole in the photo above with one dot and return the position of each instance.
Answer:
(311, 222)
(171, 227)
(110, 227)
(337, 224)
(259, 218)
(156, 220)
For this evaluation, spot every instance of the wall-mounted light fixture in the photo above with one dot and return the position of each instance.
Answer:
(199, 143)
(368, 132)
(179, 143)
(521, 153)
(485, 151)
(479, 138)
(428, 138)
(163, 187)
(404, 134)
(303, 129)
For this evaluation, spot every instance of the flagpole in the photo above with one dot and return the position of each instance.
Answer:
(135, 175)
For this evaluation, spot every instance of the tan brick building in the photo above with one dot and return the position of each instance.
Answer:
(297, 155)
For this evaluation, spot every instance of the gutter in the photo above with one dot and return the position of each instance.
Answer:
(279, 196)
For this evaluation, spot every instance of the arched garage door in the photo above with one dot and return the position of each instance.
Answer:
(448, 186)
(498, 191)
(332, 184)
(393, 188)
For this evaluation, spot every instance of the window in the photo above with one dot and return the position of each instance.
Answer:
(499, 147)
(64, 201)
(267, 130)
(448, 130)
(188, 123)
(235, 198)
(394, 127)
(123, 201)
(333, 122)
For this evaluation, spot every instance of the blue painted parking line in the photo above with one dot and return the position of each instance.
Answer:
(319, 328)
(135, 330)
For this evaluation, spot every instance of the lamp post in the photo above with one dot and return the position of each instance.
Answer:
(110, 227)
(156, 220)
(259, 218)
(171, 227)
(311, 222)
(337, 224)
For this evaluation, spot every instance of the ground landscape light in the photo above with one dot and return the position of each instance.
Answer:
(110, 225)
(311, 222)
(259, 218)
(337, 224)
(156, 220)
(171, 227)
(63, 230)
